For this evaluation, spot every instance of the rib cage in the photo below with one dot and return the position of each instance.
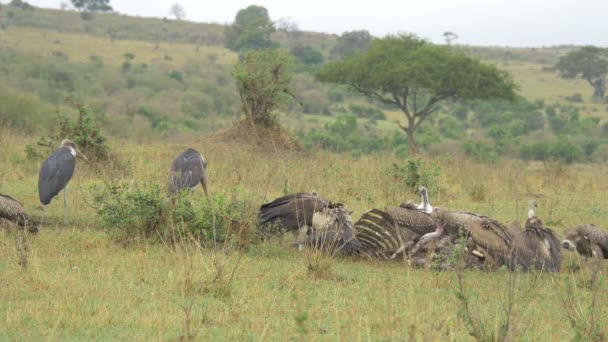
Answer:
(379, 237)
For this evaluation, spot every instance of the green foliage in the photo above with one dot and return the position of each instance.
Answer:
(21, 111)
(574, 98)
(137, 210)
(372, 113)
(481, 151)
(263, 79)
(307, 55)
(415, 75)
(520, 117)
(350, 43)
(250, 30)
(589, 63)
(92, 5)
(561, 149)
(415, 173)
(346, 134)
(450, 127)
(84, 132)
(21, 4)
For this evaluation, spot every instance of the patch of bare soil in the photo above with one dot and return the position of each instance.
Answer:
(263, 138)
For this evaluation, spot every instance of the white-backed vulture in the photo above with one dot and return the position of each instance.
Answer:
(588, 240)
(538, 247)
(306, 214)
(13, 215)
(489, 236)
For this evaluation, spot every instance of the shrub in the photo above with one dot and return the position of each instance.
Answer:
(415, 173)
(131, 211)
(574, 98)
(85, 133)
(481, 151)
(566, 151)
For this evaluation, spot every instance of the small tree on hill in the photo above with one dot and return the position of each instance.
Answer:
(263, 79)
(352, 42)
(251, 30)
(178, 11)
(92, 5)
(589, 63)
(415, 76)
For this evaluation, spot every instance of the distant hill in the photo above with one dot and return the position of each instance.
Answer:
(149, 77)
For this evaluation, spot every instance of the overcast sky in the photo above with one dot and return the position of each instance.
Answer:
(477, 22)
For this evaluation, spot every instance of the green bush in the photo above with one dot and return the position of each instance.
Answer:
(574, 98)
(84, 132)
(481, 151)
(414, 174)
(132, 210)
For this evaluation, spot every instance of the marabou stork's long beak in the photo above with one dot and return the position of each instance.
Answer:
(81, 155)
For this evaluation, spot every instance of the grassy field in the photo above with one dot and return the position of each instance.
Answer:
(80, 48)
(82, 284)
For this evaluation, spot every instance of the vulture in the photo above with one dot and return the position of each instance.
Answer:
(424, 205)
(309, 216)
(12, 214)
(537, 246)
(588, 240)
(392, 232)
(486, 238)
(187, 170)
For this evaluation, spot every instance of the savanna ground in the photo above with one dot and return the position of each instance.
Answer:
(80, 283)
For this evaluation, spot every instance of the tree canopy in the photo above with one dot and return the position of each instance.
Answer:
(92, 5)
(250, 31)
(415, 76)
(589, 63)
(352, 42)
(263, 79)
(178, 11)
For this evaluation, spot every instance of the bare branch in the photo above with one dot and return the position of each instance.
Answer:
(372, 94)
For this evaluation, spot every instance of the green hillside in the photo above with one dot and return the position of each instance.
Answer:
(148, 77)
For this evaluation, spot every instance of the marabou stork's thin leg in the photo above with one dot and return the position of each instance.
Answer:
(65, 205)
(43, 215)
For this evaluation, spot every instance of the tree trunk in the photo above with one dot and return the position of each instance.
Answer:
(411, 143)
(599, 87)
(409, 131)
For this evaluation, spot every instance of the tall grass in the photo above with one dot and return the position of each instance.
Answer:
(80, 284)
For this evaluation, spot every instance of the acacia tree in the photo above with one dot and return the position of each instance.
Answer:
(178, 11)
(263, 79)
(251, 30)
(352, 42)
(92, 5)
(589, 63)
(416, 76)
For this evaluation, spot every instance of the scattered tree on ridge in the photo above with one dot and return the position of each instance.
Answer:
(449, 37)
(416, 76)
(178, 11)
(263, 79)
(250, 31)
(92, 5)
(589, 63)
(352, 42)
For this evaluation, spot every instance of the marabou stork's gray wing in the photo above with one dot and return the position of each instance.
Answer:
(292, 211)
(187, 170)
(12, 213)
(380, 238)
(414, 220)
(55, 174)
